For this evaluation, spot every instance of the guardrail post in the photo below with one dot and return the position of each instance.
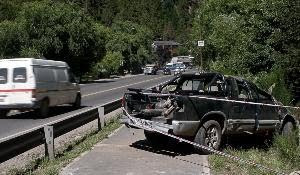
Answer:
(49, 144)
(101, 121)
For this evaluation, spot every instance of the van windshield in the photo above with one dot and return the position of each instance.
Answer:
(3, 75)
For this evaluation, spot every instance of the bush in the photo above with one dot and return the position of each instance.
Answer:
(283, 156)
(288, 148)
(273, 80)
(110, 64)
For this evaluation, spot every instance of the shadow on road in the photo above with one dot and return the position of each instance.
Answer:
(172, 148)
(246, 142)
(175, 148)
(54, 111)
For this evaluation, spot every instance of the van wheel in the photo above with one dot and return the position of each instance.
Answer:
(3, 113)
(77, 103)
(43, 111)
(209, 135)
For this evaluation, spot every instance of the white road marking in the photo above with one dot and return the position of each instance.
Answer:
(122, 86)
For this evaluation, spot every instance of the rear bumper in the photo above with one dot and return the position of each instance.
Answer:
(180, 128)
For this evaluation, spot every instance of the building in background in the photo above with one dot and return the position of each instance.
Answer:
(165, 50)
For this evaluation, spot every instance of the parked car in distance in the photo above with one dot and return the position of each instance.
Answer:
(150, 69)
(179, 68)
(203, 107)
(167, 71)
(28, 83)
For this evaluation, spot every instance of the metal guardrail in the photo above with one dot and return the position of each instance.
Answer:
(19, 143)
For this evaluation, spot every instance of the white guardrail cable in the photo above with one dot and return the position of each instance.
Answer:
(148, 125)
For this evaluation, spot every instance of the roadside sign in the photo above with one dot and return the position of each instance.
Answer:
(201, 43)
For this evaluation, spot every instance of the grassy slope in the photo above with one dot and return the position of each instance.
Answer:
(283, 156)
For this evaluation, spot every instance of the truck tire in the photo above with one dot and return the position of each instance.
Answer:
(155, 139)
(3, 113)
(77, 103)
(209, 135)
(287, 128)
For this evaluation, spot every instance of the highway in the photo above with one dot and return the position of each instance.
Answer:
(93, 94)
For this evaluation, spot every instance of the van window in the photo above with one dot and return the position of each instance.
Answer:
(20, 75)
(3, 76)
(61, 75)
(44, 74)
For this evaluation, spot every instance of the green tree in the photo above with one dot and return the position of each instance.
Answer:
(110, 64)
(10, 33)
(58, 31)
(133, 41)
(249, 37)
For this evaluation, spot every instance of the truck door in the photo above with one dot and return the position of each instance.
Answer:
(268, 116)
(242, 114)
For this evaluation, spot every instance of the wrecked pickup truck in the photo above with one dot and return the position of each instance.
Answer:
(203, 107)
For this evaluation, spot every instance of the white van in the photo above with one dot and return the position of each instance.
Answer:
(28, 83)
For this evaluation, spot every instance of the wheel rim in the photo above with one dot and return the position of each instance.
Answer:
(211, 138)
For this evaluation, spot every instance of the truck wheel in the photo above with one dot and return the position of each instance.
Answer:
(208, 135)
(3, 113)
(288, 128)
(77, 103)
(43, 111)
(155, 139)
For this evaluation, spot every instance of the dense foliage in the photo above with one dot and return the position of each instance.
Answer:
(256, 38)
(88, 34)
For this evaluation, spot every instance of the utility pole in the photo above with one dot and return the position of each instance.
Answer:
(200, 44)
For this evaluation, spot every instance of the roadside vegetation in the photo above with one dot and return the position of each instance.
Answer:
(67, 154)
(256, 39)
(283, 156)
(96, 38)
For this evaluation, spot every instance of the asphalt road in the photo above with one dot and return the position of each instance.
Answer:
(127, 152)
(93, 94)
